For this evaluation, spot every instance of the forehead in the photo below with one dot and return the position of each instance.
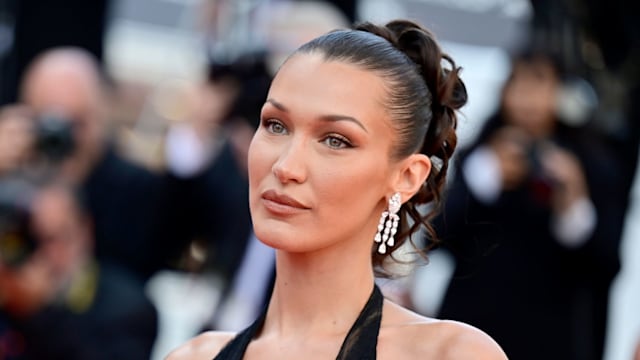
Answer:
(535, 69)
(319, 85)
(72, 91)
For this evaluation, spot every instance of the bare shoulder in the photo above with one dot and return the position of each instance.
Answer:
(409, 335)
(463, 341)
(204, 346)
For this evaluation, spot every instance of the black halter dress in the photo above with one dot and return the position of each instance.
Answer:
(360, 342)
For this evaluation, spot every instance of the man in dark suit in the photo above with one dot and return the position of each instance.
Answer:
(210, 202)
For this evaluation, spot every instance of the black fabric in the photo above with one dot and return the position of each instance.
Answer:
(121, 323)
(212, 206)
(360, 342)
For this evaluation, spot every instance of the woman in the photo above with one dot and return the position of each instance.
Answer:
(349, 128)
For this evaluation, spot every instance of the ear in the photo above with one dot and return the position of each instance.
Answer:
(411, 175)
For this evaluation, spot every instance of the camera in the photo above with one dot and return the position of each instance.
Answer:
(54, 137)
(17, 242)
(541, 185)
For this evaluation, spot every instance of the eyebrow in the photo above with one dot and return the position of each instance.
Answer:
(329, 118)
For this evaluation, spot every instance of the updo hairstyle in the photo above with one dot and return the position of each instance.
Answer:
(422, 97)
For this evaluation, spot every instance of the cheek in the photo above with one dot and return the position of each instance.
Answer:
(351, 191)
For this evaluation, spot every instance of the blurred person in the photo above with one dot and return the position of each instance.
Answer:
(16, 138)
(326, 169)
(206, 156)
(534, 219)
(236, 27)
(210, 195)
(57, 300)
(66, 90)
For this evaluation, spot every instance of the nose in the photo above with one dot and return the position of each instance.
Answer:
(291, 164)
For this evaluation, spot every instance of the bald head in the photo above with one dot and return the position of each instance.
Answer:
(62, 79)
(66, 82)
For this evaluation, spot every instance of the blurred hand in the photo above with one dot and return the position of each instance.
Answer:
(16, 137)
(511, 144)
(566, 173)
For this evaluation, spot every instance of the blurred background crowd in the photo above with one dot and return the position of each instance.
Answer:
(124, 127)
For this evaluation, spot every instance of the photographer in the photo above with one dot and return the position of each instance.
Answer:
(57, 300)
(534, 219)
(65, 89)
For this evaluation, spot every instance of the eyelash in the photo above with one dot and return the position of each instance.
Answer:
(269, 124)
(344, 142)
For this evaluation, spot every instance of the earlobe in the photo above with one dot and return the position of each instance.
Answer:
(413, 173)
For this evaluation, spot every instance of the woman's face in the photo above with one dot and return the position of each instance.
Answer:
(319, 164)
(530, 97)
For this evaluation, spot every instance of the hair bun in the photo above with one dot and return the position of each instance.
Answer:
(448, 92)
(420, 45)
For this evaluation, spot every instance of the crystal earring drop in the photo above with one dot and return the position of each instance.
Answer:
(388, 225)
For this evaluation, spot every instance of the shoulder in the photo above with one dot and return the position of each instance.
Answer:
(463, 341)
(410, 335)
(204, 346)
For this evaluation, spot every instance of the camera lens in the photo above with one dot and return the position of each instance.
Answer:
(54, 137)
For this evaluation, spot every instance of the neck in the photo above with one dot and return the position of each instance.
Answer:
(319, 293)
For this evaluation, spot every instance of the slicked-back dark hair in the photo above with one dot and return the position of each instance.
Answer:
(422, 98)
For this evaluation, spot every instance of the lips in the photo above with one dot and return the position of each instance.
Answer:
(281, 203)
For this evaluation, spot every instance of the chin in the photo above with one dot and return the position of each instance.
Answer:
(276, 235)
(285, 237)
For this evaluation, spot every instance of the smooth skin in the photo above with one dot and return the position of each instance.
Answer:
(321, 172)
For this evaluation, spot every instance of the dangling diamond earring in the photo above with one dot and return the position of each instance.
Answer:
(387, 229)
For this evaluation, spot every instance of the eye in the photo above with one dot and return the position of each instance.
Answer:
(275, 127)
(337, 142)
